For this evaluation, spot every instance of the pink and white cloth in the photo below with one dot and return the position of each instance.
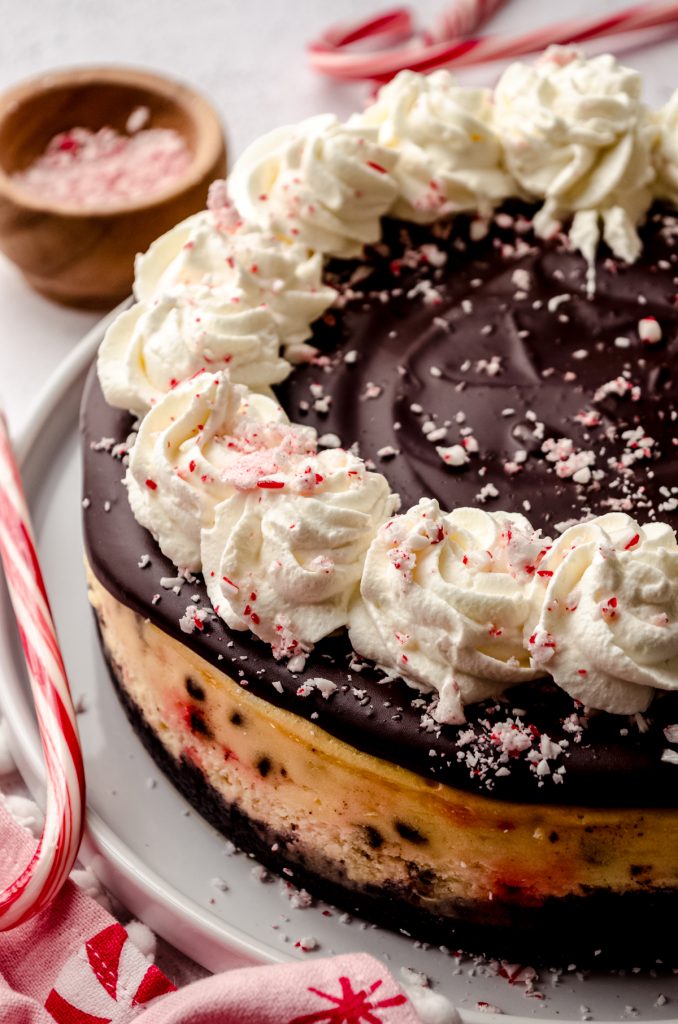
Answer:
(75, 964)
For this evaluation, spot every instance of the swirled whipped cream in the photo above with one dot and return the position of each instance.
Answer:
(296, 544)
(285, 562)
(203, 442)
(666, 154)
(577, 134)
(607, 627)
(213, 258)
(151, 348)
(173, 259)
(444, 602)
(320, 182)
(449, 155)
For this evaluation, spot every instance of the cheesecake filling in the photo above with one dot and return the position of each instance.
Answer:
(364, 821)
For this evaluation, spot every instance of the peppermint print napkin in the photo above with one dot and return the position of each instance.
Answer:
(75, 964)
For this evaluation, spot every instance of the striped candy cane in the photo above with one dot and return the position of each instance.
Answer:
(327, 57)
(464, 18)
(395, 26)
(53, 859)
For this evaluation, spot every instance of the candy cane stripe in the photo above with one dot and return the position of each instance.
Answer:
(57, 848)
(326, 56)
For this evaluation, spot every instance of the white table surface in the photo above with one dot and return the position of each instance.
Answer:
(248, 56)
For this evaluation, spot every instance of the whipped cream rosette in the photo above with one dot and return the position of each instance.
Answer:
(666, 153)
(321, 182)
(219, 258)
(449, 154)
(203, 442)
(195, 251)
(172, 258)
(577, 134)
(607, 630)
(152, 347)
(445, 598)
(286, 561)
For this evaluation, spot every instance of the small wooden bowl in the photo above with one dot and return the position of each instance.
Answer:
(85, 257)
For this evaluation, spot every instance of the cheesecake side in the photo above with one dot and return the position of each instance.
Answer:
(436, 861)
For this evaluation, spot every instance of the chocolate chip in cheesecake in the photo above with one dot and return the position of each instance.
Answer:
(421, 879)
(408, 832)
(198, 724)
(237, 719)
(264, 766)
(194, 689)
(374, 837)
(640, 869)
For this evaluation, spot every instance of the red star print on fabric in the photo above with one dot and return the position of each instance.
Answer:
(350, 1007)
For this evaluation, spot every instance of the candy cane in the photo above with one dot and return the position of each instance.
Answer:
(465, 17)
(53, 859)
(396, 26)
(326, 56)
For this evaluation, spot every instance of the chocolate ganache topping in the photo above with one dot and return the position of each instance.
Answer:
(480, 372)
(560, 407)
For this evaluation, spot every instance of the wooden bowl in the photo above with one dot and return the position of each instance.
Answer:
(85, 257)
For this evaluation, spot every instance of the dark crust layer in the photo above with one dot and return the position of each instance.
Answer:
(598, 930)
(615, 763)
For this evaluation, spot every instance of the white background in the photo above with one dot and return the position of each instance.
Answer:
(248, 56)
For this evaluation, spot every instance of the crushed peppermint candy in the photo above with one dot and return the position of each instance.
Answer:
(299, 899)
(556, 301)
(488, 750)
(387, 452)
(329, 441)
(568, 461)
(103, 168)
(454, 456)
(193, 619)
(429, 293)
(325, 687)
(542, 647)
(649, 330)
(620, 386)
(521, 279)
(486, 492)
(175, 583)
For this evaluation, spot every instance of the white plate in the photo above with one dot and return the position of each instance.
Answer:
(153, 851)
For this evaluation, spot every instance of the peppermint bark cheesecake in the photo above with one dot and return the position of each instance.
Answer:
(390, 588)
